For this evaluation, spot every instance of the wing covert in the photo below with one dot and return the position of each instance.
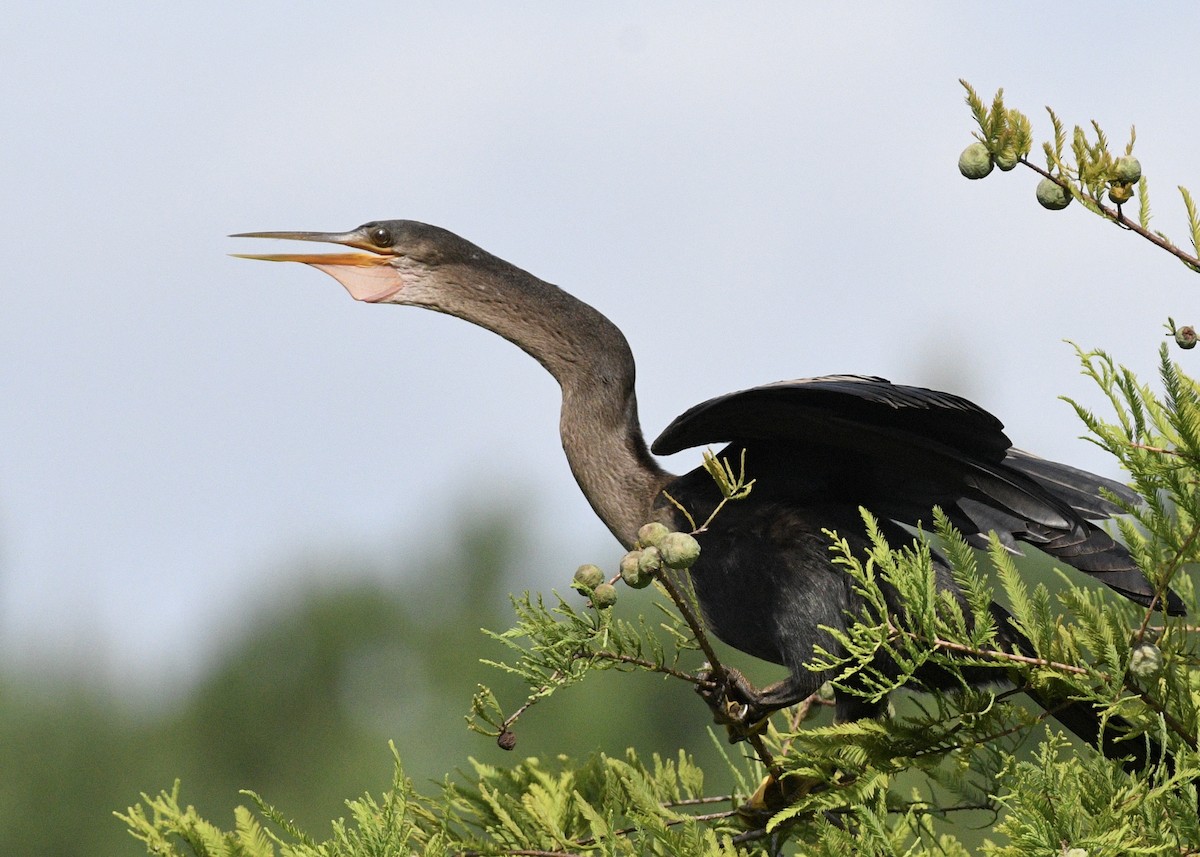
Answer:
(818, 410)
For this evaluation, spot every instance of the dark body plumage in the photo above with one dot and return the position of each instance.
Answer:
(821, 448)
(817, 448)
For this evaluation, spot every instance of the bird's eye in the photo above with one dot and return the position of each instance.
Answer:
(380, 236)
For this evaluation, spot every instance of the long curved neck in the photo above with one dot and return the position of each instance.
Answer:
(588, 356)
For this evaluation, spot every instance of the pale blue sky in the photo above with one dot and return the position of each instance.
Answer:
(751, 191)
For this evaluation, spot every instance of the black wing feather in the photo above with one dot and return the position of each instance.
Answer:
(783, 409)
(901, 450)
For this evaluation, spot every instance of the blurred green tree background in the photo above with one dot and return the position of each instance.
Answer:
(301, 702)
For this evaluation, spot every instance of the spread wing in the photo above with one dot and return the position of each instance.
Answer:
(899, 451)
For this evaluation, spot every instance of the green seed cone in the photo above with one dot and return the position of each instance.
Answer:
(631, 570)
(1120, 193)
(679, 550)
(1053, 196)
(975, 162)
(589, 576)
(650, 561)
(1126, 170)
(604, 596)
(651, 534)
(1145, 659)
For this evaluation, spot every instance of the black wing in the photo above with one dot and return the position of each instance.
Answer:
(901, 450)
(791, 410)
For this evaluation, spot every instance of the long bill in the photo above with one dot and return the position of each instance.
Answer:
(368, 277)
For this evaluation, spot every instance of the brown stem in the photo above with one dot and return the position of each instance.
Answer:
(693, 623)
(512, 718)
(650, 665)
(712, 816)
(796, 716)
(1149, 448)
(764, 755)
(1187, 629)
(1153, 704)
(1118, 217)
(1176, 562)
(685, 610)
(991, 653)
(696, 801)
(521, 852)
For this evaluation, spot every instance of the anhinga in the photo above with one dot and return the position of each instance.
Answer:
(818, 449)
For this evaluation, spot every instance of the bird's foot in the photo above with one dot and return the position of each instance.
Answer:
(774, 794)
(735, 703)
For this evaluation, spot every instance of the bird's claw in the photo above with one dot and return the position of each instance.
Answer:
(733, 702)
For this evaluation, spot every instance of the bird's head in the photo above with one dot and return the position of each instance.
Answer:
(398, 253)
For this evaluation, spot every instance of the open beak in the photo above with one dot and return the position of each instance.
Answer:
(367, 276)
